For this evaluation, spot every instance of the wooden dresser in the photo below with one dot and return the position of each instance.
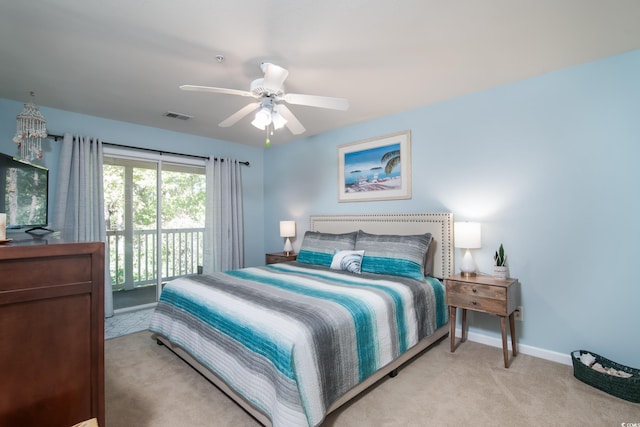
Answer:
(51, 333)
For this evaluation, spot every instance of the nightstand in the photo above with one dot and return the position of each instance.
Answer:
(277, 257)
(486, 294)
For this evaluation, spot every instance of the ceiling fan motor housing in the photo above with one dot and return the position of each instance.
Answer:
(260, 90)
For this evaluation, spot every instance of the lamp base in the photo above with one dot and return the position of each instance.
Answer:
(288, 247)
(468, 265)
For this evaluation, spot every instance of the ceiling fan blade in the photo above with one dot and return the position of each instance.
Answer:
(317, 101)
(216, 90)
(274, 76)
(233, 119)
(293, 124)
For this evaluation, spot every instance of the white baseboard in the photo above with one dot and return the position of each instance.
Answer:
(542, 353)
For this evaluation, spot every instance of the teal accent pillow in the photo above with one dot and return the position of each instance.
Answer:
(318, 248)
(394, 254)
(350, 261)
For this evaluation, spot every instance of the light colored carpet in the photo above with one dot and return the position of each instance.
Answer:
(147, 385)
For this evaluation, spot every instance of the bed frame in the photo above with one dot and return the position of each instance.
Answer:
(440, 225)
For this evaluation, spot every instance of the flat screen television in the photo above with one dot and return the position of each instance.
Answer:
(24, 193)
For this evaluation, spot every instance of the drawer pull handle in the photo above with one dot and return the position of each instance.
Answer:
(475, 291)
(474, 302)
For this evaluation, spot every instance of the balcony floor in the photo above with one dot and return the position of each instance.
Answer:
(135, 297)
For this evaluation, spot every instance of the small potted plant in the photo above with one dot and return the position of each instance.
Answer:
(500, 269)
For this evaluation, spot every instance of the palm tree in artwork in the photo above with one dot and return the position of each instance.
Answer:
(392, 159)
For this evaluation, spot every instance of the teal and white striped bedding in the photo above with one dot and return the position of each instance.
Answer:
(292, 338)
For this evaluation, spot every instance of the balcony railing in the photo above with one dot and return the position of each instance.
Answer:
(133, 255)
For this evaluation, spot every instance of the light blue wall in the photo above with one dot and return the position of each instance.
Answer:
(59, 122)
(548, 165)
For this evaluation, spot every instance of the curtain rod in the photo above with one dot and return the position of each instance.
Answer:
(57, 137)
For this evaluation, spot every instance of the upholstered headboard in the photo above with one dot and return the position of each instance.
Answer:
(440, 225)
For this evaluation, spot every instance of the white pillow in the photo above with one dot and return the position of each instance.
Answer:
(347, 261)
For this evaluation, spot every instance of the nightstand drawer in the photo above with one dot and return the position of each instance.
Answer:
(479, 297)
(488, 305)
(479, 290)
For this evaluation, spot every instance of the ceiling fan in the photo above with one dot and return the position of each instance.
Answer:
(269, 92)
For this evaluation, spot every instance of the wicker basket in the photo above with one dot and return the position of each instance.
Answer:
(624, 388)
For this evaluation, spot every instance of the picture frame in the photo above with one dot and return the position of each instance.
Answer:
(375, 169)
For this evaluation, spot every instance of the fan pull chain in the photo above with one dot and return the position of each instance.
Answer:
(269, 130)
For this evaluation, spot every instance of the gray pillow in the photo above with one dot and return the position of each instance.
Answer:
(394, 254)
(318, 248)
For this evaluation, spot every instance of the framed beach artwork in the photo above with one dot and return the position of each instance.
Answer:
(375, 169)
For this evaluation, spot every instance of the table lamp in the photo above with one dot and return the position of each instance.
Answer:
(287, 229)
(467, 235)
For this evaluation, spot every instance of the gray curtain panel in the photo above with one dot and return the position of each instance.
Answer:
(224, 230)
(79, 202)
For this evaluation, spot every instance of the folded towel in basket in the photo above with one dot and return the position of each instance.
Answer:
(589, 359)
(598, 367)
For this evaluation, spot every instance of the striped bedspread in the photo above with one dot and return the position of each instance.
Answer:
(293, 338)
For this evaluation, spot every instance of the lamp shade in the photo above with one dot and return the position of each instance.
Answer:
(287, 228)
(467, 235)
(262, 119)
(277, 120)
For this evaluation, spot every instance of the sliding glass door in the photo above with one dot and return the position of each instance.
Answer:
(183, 205)
(154, 209)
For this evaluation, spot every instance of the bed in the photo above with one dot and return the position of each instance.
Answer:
(292, 342)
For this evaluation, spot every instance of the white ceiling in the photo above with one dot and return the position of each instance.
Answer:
(124, 59)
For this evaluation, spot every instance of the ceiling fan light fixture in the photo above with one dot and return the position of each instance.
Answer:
(262, 119)
(277, 120)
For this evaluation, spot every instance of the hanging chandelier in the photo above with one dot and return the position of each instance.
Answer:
(30, 131)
